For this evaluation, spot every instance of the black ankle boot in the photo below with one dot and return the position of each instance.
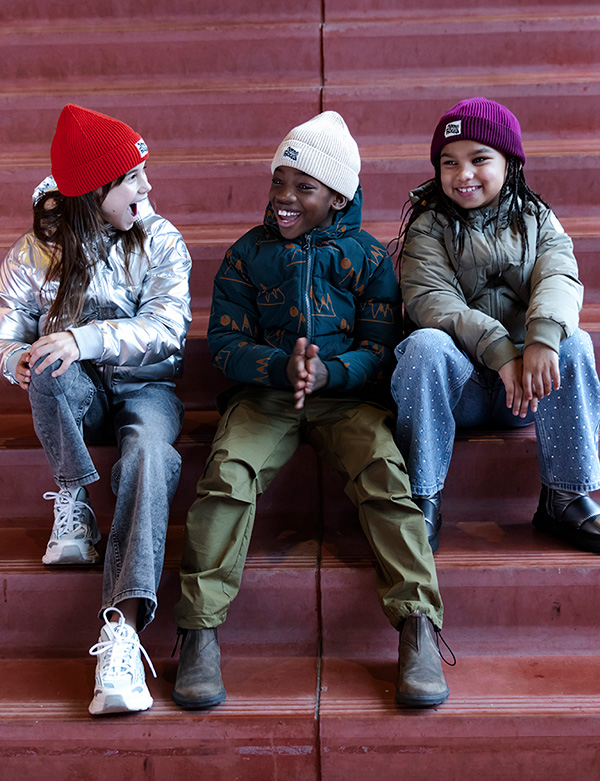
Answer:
(574, 517)
(431, 507)
(199, 683)
(421, 682)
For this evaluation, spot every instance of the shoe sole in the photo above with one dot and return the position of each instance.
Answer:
(207, 702)
(68, 553)
(409, 701)
(120, 702)
(564, 532)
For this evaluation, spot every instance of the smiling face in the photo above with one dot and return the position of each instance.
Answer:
(119, 208)
(301, 202)
(472, 174)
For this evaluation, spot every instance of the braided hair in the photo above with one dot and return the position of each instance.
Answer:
(513, 196)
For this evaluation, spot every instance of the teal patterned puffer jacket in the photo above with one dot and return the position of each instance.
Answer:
(335, 286)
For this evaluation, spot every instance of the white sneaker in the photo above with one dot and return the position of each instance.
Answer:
(75, 531)
(120, 682)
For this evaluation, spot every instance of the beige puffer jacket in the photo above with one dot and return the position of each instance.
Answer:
(490, 303)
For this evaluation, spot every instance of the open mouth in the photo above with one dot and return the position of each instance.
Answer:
(286, 218)
(133, 210)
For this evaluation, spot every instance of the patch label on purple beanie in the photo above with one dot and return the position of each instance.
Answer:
(142, 147)
(453, 128)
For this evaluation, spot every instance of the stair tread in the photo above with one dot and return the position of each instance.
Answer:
(488, 687)
(58, 691)
(527, 686)
(467, 547)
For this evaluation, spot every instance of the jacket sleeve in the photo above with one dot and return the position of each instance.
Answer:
(19, 308)
(162, 318)
(433, 298)
(377, 327)
(556, 292)
(234, 333)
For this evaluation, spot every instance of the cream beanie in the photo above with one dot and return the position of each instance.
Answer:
(324, 149)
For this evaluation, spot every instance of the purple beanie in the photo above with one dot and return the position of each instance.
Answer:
(483, 120)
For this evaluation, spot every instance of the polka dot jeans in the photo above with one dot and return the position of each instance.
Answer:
(437, 388)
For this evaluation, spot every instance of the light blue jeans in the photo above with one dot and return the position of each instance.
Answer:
(437, 388)
(75, 407)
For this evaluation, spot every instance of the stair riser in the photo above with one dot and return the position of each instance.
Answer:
(543, 610)
(189, 119)
(214, 194)
(292, 491)
(505, 468)
(55, 614)
(381, 48)
(197, 118)
(249, 53)
(34, 11)
(390, 114)
(475, 751)
(548, 610)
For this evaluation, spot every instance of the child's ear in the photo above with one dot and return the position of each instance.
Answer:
(339, 202)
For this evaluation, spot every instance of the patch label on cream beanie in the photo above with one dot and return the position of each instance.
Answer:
(291, 153)
(324, 149)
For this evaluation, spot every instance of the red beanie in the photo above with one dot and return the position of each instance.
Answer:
(90, 150)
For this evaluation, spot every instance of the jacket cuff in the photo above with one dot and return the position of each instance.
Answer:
(278, 372)
(338, 376)
(545, 332)
(10, 364)
(89, 341)
(499, 353)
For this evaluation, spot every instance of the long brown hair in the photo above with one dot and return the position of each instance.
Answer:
(74, 230)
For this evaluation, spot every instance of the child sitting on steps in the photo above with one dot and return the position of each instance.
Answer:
(489, 279)
(94, 310)
(305, 315)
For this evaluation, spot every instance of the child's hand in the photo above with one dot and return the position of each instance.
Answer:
(297, 372)
(22, 371)
(60, 346)
(318, 374)
(511, 375)
(540, 372)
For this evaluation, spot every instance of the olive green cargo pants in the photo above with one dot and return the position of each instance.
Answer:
(256, 436)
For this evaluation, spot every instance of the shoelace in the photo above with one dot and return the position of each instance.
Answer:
(438, 637)
(122, 646)
(68, 511)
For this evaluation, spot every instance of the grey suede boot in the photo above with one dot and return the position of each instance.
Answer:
(199, 683)
(421, 682)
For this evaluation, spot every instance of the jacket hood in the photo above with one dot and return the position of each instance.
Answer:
(344, 222)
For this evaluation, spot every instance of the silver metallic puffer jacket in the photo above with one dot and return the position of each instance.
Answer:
(133, 330)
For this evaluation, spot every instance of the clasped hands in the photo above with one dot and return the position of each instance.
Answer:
(530, 378)
(306, 371)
